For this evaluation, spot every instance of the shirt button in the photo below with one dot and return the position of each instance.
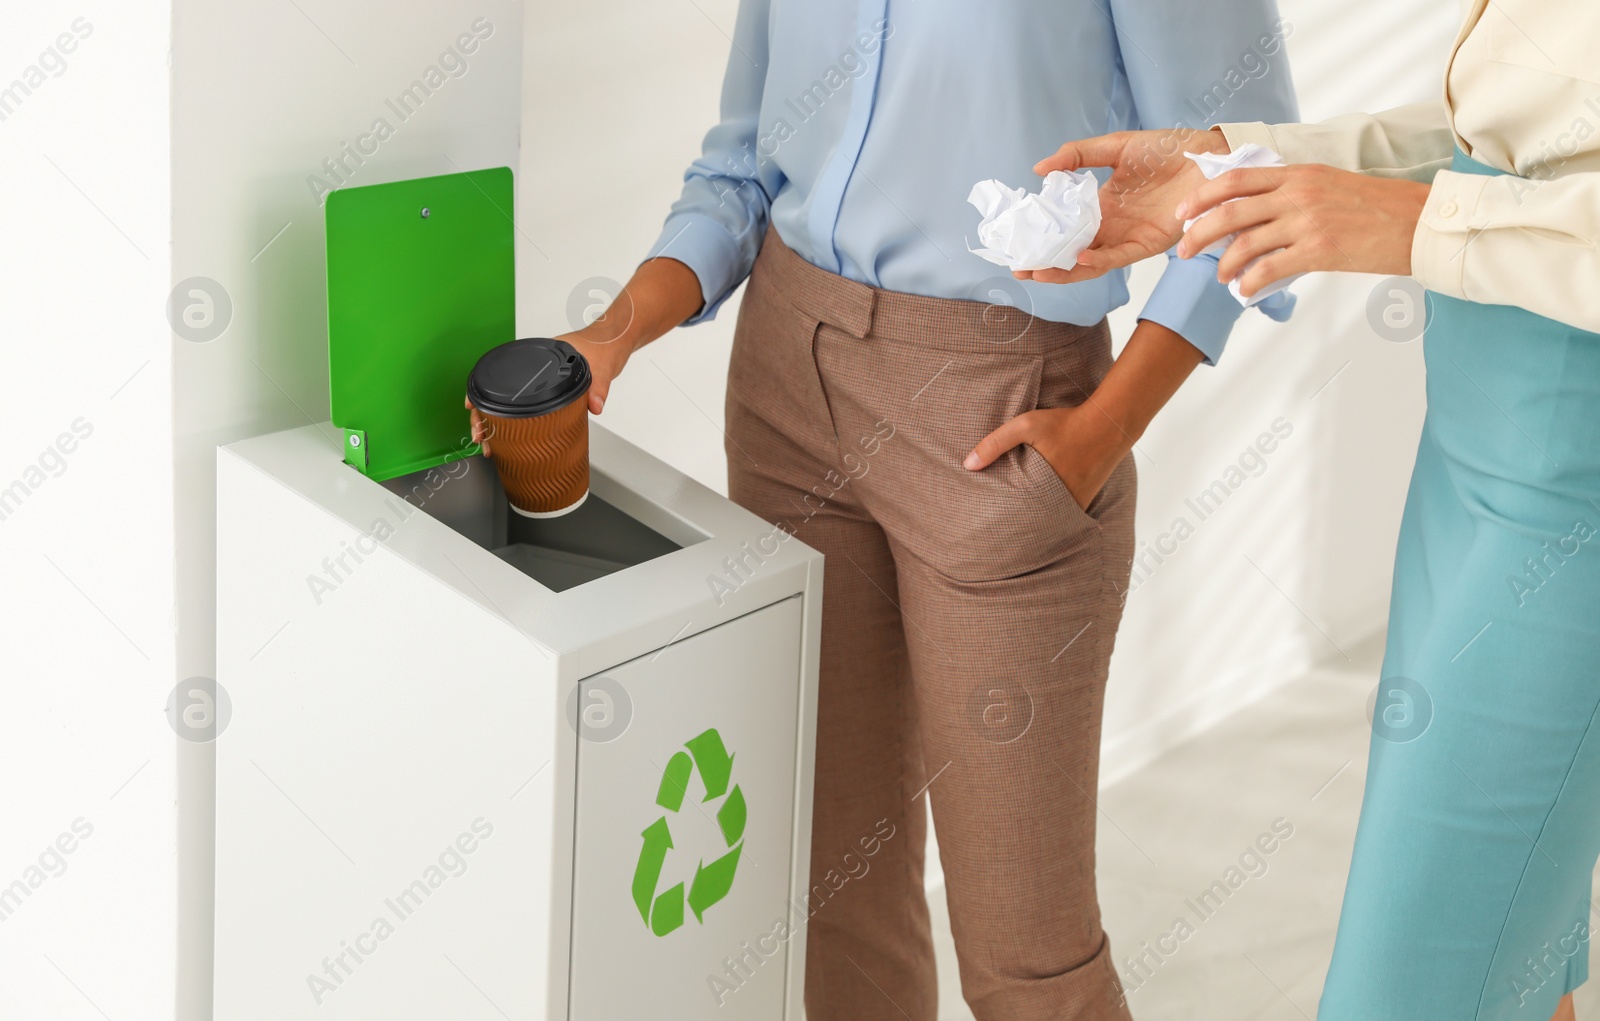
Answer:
(1449, 209)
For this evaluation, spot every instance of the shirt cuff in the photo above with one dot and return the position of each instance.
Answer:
(1445, 229)
(1189, 301)
(710, 252)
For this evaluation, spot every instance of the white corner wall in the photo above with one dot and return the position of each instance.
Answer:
(267, 96)
(87, 832)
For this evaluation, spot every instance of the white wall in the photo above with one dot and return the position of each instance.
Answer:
(616, 97)
(263, 92)
(1296, 564)
(1208, 631)
(86, 555)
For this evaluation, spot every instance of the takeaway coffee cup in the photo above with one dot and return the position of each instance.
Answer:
(531, 395)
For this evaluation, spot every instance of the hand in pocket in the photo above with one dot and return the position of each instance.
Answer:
(1082, 444)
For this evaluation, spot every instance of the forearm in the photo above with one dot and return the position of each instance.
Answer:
(1412, 142)
(1151, 368)
(660, 295)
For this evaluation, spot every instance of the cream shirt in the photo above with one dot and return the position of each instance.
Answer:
(1522, 94)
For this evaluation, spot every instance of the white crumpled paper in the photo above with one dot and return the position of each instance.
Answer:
(1022, 231)
(1214, 165)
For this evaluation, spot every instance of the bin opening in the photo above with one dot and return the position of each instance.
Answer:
(559, 553)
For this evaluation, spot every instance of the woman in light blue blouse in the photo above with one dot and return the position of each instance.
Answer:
(978, 544)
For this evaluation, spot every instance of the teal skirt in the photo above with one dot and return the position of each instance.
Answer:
(1469, 891)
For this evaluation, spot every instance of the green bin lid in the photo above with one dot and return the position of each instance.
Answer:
(421, 282)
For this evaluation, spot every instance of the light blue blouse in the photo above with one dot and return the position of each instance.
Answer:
(857, 128)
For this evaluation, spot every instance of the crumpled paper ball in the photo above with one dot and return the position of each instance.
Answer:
(1274, 298)
(1023, 231)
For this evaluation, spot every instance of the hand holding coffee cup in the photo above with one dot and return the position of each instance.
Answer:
(661, 294)
(606, 359)
(529, 401)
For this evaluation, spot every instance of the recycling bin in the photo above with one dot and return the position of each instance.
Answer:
(472, 764)
(480, 765)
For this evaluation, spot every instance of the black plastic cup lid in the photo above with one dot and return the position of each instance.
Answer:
(529, 377)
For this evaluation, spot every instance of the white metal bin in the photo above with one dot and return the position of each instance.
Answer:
(480, 766)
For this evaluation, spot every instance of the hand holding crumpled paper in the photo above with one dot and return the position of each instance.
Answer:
(1214, 165)
(1022, 231)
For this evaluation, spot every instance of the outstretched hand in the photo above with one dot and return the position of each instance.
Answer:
(1149, 177)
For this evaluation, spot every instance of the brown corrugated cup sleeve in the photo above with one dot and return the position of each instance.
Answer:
(543, 461)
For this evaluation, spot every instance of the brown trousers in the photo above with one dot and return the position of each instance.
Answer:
(967, 623)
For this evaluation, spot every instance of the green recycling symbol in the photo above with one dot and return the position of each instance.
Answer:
(662, 913)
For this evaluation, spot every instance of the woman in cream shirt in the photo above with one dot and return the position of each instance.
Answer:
(1469, 892)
